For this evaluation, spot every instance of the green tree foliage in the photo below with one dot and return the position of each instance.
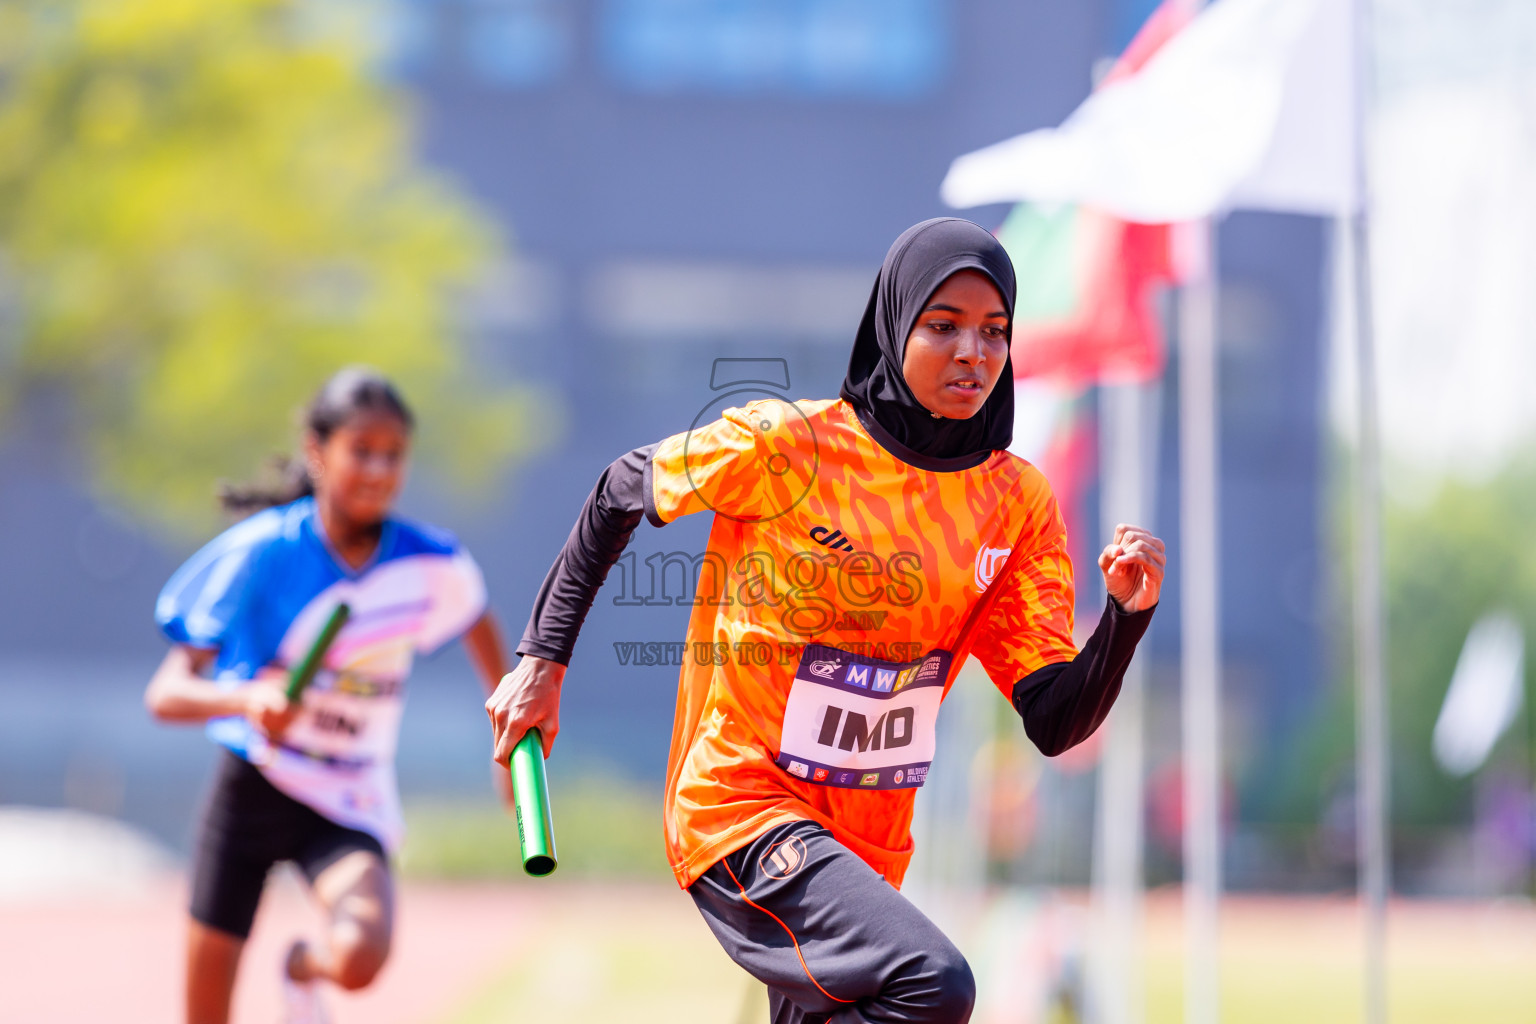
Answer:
(1452, 554)
(206, 207)
(1450, 560)
(1450, 557)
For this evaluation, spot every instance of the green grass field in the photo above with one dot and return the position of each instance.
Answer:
(1300, 960)
(619, 942)
(1284, 961)
(638, 958)
(605, 828)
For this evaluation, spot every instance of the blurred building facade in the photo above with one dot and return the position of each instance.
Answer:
(683, 180)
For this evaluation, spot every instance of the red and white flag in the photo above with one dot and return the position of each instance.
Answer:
(1250, 106)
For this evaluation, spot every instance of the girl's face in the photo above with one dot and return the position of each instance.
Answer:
(958, 347)
(360, 467)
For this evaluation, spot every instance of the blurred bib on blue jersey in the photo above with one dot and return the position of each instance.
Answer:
(859, 723)
(260, 593)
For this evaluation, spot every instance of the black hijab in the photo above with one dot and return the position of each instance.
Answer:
(919, 261)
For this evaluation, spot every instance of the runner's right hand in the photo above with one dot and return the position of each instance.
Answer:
(267, 706)
(528, 697)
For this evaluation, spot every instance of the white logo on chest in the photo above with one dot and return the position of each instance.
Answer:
(988, 562)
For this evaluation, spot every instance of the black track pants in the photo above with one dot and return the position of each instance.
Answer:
(832, 940)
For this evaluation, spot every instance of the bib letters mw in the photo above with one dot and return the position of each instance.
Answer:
(859, 723)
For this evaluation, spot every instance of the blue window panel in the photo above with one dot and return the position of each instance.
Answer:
(516, 44)
(892, 49)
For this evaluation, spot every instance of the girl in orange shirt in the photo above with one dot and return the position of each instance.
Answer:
(861, 549)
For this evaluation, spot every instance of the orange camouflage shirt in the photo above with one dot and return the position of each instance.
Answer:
(833, 572)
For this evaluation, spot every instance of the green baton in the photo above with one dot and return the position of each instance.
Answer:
(304, 672)
(530, 794)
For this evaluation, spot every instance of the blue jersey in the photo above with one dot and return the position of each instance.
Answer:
(259, 594)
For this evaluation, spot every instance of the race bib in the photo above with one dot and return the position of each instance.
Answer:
(348, 721)
(858, 723)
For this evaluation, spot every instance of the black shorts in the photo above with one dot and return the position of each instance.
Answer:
(831, 939)
(249, 825)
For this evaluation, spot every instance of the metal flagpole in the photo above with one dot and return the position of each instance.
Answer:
(1371, 695)
(1371, 753)
(1201, 652)
(1128, 439)
(1200, 639)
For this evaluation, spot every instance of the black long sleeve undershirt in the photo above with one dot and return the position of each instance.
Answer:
(600, 535)
(1062, 704)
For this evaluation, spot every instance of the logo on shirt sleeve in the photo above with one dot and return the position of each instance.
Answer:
(988, 562)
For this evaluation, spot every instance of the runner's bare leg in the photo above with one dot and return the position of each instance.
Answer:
(213, 957)
(359, 898)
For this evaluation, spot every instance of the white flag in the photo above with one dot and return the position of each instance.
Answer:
(1252, 105)
(1484, 696)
